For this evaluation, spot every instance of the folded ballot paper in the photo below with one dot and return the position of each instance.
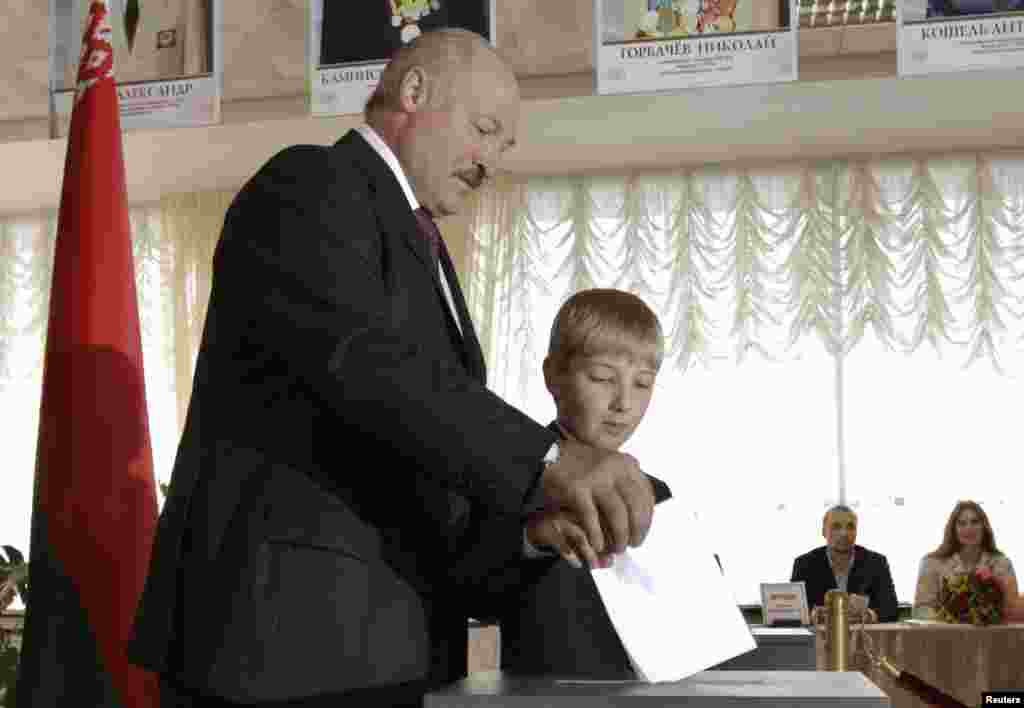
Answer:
(669, 602)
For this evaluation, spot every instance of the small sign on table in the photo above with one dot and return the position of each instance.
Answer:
(785, 604)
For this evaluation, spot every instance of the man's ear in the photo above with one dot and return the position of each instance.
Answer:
(414, 91)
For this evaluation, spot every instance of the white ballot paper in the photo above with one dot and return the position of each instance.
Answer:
(670, 604)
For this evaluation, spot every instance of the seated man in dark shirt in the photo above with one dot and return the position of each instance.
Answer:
(843, 565)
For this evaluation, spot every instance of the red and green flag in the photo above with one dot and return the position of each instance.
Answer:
(95, 505)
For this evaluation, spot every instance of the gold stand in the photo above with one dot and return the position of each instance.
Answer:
(837, 603)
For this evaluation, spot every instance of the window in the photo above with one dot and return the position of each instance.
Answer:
(744, 425)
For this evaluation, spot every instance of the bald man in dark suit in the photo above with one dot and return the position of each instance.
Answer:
(341, 442)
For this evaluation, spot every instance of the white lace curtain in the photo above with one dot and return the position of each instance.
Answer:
(756, 261)
(844, 331)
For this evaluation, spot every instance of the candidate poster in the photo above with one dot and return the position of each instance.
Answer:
(937, 36)
(350, 42)
(167, 61)
(663, 45)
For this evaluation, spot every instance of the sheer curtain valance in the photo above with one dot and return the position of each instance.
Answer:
(919, 252)
(843, 331)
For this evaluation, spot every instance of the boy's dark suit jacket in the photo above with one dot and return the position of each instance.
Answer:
(362, 31)
(869, 576)
(339, 442)
(552, 620)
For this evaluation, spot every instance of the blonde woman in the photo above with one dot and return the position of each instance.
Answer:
(968, 543)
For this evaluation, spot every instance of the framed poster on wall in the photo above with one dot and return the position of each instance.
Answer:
(350, 42)
(665, 45)
(937, 36)
(168, 62)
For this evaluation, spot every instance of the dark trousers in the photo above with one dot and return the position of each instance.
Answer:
(406, 695)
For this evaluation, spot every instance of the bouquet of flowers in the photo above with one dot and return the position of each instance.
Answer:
(971, 598)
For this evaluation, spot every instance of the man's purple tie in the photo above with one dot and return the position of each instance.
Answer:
(429, 231)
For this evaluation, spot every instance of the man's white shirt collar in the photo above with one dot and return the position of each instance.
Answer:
(853, 557)
(382, 149)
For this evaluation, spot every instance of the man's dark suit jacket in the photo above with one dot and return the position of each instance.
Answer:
(551, 616)
(362, 31)
(338, 442)
(869, 576)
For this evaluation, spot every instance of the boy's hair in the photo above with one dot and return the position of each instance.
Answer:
(600, 319)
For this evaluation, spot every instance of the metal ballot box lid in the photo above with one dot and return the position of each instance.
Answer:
(713, 689)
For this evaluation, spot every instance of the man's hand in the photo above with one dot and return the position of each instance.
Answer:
(606, 491)
(819, 615)
(8, 591)
(857, 611)
(559, 530)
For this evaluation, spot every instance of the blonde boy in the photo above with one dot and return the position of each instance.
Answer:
(605, 350)
(604, 353)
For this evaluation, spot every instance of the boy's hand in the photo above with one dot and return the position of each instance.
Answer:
(606, 491)
(559, 530)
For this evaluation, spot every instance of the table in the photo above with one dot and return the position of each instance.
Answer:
(961, 660)
(708, 689)
(778, 648)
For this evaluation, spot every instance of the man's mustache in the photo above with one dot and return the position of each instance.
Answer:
(474, 176)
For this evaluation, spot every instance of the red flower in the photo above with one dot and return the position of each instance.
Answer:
(983, 573)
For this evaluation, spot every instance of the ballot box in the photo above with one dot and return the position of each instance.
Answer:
(708, 689)
(778, 649)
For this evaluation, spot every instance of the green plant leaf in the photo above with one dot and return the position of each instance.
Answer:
(13, 554)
